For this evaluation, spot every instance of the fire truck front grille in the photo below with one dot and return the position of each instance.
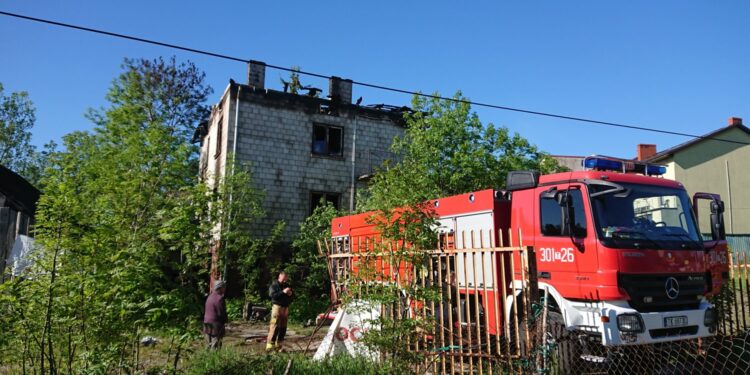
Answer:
(672, 332)
(649, 293)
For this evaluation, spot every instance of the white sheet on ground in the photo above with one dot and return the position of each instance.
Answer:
(352, 321)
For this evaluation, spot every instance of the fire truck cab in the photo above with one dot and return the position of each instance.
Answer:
(621, 253)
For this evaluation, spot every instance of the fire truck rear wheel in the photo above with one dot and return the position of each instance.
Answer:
(521, 336)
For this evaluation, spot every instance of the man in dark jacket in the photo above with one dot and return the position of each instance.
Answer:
(215, 316)
(281, 296)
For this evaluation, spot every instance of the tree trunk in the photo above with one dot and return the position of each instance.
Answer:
(177, 358)
(47, 332)
(137, 349)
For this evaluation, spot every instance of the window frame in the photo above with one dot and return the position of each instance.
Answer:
(585, 229)
(327, 128)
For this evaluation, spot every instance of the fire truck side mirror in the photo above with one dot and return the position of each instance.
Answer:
(567, 213)
(550, 194)
(518, 180)
(717, 207)
(718, 231)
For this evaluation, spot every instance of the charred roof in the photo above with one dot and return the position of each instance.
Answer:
(18, 193)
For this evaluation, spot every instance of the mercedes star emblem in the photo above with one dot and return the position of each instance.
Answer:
(672, 287)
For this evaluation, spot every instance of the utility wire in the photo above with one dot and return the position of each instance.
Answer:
(371, 85)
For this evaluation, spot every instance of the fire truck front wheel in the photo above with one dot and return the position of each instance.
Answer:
(561, 346)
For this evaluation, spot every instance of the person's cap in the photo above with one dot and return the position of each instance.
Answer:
(218, 284)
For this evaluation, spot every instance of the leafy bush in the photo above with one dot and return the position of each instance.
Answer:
(227, 362)
(234, 308)
(342, 364)
(309, 270)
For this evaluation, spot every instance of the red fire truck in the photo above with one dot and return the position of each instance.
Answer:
(618, 249)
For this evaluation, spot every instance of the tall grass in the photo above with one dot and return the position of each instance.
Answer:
(231, 362)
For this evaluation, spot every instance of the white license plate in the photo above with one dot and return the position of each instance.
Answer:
(675, 321)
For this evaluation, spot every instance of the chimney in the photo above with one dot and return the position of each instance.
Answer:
(340, 90)
(734, 121)
(645, 151)
(256, 74)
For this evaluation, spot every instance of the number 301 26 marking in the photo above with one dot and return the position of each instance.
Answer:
(564, 255)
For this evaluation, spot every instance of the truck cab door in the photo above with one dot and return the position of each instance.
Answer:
(565, 246)
(709, 216)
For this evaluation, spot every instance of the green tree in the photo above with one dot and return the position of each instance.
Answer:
(308, 269)
(124, 230)
(17, 117)
(446, 150)
(34, 169)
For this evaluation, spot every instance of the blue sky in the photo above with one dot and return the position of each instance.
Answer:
(673, 65)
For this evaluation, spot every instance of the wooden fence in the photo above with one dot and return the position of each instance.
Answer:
(469, 324)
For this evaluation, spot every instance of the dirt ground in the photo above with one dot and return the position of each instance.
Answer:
(242, 336)
(253, 337)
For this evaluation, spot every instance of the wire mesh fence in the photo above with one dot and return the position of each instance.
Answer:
(720, 354)
(727, 352)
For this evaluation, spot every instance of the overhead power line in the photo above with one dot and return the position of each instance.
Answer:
(365, 84)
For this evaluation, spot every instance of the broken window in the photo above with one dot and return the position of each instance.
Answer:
(204, 163)
(327, 140)
(220, 127)
(318, 198)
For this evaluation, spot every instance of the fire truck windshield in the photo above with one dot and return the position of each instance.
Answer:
(643, 216)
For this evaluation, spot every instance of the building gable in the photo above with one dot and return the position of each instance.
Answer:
(711, 145)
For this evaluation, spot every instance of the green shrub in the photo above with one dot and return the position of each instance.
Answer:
(308, 271)
(230, 362)
(342, 364)
(226, 362)
(234, 308)
(308, 308)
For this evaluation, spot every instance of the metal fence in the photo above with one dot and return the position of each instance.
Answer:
(739, 243)
(469, 326)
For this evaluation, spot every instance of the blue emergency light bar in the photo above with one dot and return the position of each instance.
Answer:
(655, 170)
(603, 164)
(611, 164)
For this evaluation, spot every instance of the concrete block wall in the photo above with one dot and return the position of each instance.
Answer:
(276, 139)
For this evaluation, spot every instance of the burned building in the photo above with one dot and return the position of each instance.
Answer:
(301, 148)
